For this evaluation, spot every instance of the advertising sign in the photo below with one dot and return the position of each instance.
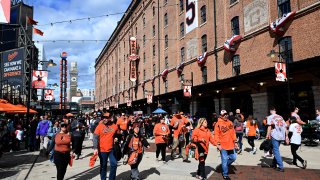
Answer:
(5, 11)
(187, 91)
(39, 79)
(255, 15)
(281, 73)
(49, 94)
(133, 71)
(149, 98)
(133, 46)
(191, 15)
(12, 66)
(129, 102)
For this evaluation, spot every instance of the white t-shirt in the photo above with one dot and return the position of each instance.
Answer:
(318, 118)
(279, 132)
(296, 130)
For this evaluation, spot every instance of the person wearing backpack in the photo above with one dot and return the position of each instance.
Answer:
(238, 127)
(134, 148)
(201, 136)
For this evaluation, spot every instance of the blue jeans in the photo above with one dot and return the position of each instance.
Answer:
(103, 156)
(226, 160)
(239, 136)
(277, 160)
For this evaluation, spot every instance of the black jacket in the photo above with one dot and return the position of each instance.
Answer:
(126, 148)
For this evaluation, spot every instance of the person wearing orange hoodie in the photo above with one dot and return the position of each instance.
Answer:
(161, 132)
(202, 136)
(226, 141)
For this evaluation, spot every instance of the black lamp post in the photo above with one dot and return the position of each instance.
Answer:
(283, 58)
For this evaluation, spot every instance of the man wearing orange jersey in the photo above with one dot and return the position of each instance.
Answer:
(179, 123)
(103, 141)
(226, 141)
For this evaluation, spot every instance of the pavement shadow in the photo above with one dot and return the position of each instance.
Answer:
(88, 155)
(87, 174)
(208, 171)
(265, 162)
(143, 174)
(10, 160)
(287, 160)
(8, 174)
(232, 169)
(248, 149)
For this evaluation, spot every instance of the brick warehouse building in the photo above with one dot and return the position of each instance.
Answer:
(242, 79)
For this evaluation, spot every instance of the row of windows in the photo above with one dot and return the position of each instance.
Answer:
(203, 19)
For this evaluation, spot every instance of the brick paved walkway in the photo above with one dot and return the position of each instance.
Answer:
(257, 172)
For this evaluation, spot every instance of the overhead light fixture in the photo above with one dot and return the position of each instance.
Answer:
(51, 63)
(218, 91)
(55, 85)
(261, 83)
(200, 94)
(233, 88)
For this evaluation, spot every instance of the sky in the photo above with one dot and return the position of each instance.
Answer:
(84, 53)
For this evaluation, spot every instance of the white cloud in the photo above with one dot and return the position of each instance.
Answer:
(94, 29)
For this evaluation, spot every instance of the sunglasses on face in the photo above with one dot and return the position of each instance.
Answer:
(63, 125)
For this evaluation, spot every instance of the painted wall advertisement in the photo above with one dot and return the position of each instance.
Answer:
(12, 66)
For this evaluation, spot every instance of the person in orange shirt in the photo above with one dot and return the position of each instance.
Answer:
(105, 135)
(161, 132)
(202, 136)
(179, 123)
(251, 131)
(122, 123)
(135, 143)
(226, 141)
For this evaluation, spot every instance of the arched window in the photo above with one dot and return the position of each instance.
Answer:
(203, 14)
(181, 29)
(235, 25)
(165, 19)
(235, 65)
(166, 41)
(204, 43)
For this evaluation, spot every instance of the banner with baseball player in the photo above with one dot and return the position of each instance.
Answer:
(149, 98)
(49, 94)
(187, 91)
(39, 79)
(281, 72)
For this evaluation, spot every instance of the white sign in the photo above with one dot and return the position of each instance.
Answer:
(191, 15)
(149, 98)
(255, 14)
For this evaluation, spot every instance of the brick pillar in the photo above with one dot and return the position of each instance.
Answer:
(193, 108)
(260, 105)
(225, 104)
(316, 96)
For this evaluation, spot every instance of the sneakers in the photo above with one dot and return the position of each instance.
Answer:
(186, 161)
(280, 170)
(254, 150)
(239, 151)
(159, 158)
(304, 164)
(226, 177)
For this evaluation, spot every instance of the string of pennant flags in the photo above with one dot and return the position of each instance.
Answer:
(230, 46)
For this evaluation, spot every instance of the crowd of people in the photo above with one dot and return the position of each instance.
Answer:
(124, 136)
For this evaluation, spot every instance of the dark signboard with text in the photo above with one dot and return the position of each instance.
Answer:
(12, 67)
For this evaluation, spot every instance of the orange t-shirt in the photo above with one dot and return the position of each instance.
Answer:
(135, 144)
(182, 121)
(224, 134)
(203, 133)
(160, 130)
(123, 123)
(106, 134)
(251, 128)
(62, 142)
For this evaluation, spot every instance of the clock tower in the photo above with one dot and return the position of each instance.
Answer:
(73, 79)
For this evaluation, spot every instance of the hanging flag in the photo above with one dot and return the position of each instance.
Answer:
(281, 73)
(277, 26)
(5, 7)
(149, 98)
(37, 31)
(202, 59)
(39, 79)
(116, 105)
(187, 91)
(129, 102)
(49, 95)
(230, 44)
(164, 74)
(179, 69)
(31, 21)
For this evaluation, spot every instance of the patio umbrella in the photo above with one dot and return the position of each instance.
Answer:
(159, 111)
(22, 110)
(69, 115)
(5, 106)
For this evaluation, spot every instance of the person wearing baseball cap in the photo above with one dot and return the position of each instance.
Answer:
(105, 135)
(226, 141)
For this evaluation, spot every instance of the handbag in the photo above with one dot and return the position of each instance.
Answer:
(117, 151)
(133, 158)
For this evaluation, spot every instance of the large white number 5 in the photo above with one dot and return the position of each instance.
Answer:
(190, 6)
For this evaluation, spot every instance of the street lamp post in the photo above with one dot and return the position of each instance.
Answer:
(283, 59)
